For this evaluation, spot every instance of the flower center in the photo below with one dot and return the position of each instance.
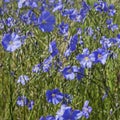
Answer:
(53, 95)
(43, 22)
(86, 58)
(11, 43)
(85, 109)
(99, 55)
(69, 71)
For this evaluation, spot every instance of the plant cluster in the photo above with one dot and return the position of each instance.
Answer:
(59, 41)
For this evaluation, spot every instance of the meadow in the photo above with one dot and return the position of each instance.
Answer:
(60, 60)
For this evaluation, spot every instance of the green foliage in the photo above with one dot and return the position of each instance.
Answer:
(97, 81)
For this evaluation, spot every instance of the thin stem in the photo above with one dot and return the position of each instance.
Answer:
(10, 88)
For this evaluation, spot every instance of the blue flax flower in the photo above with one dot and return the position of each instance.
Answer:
(79, 16)
(85, 58)
(101, 6)
(29, 17)
(111, 11)
(63, 29)
(118, 40)
(53, 48)
(79, 31)
(67, 99)
(10, 21)
(11, 42)
(23, 79)
(51, 1)
(84, 10)
(67, 12)
(73, 42)
(82, 14)
(46, 21)
(49, 117)
(2, 24)
(57, 6)
(22, 101)
(44, 66)
(105, 42)
(29, 3)
(36, 68)
(113, 41)
(80, 73)
(47, 63)
(72, 45)
(70, 72)
(89, 31)
(75, 16)
(111, 25)
(44, 6)
(54, 96)
(86, 110)
(101, 55)
(85, 6)
(32, 4)
(20, 3)
(6, 1)
(67, 113)
(68, 52)
(30, 105)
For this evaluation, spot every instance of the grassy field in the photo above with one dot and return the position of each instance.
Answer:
(98, 81)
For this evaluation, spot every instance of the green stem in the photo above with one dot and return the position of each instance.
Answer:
(10, 88)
